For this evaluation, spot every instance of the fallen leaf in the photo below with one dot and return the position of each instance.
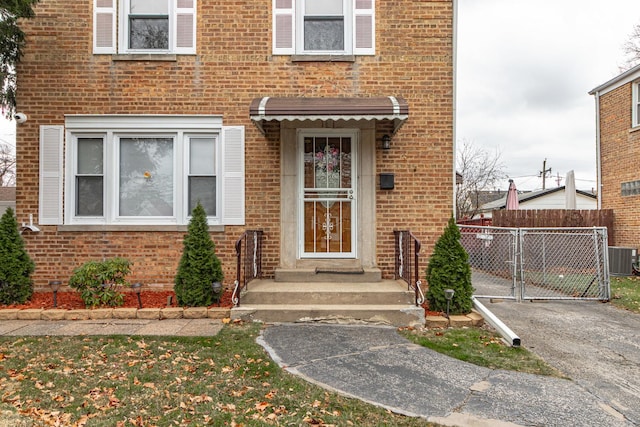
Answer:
(261, 406)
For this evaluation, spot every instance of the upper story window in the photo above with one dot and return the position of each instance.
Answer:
(147, 25)
(144, 26)
(333, 27)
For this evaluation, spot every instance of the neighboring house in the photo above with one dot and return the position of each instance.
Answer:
(279, 115)
(618, 153)
(553, 198)
(7, 198)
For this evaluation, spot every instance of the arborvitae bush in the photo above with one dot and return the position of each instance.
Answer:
(15, 264)
(449, 269)
(199, 266)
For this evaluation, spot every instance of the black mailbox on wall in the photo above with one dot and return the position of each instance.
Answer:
(386, 181)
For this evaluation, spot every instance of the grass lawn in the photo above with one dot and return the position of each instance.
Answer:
(166, 381)
(482, 347)
(625, 293)
(224, 380)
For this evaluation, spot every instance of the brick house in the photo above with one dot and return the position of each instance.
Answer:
(618, 156)
(274, 114)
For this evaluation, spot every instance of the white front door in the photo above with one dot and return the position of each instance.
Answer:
(327, 206)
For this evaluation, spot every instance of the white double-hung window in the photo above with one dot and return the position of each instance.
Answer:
(333, 27)
(146, 170)
(144, 26)
(635, 119)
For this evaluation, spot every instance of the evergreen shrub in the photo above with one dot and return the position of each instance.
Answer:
(449, 268)
(199, 266)
(15, 264)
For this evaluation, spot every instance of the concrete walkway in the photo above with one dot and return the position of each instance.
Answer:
(377, 365)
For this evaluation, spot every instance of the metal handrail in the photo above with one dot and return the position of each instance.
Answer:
(407, 264)
(248, 267)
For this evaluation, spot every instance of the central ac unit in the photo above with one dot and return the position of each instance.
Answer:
(621, 260)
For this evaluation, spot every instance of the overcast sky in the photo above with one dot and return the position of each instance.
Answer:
(524, 72)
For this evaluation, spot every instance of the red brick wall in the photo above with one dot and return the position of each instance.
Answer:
(60, 75)
(620, 158)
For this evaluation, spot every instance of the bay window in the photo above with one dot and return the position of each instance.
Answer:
(144, 170)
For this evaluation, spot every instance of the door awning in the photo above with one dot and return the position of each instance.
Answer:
(265, 109)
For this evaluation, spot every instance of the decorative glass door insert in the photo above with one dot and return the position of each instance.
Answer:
(328, 203)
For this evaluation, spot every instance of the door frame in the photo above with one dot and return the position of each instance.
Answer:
(355, 143)
(287, 230)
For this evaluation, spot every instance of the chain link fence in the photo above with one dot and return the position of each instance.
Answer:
(538, 263)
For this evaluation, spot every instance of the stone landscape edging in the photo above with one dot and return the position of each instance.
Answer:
(116, 313)
(472, 319)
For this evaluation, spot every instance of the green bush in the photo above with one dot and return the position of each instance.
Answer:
(448, 268)
(199, 266)
(15, 264)
(99, 282)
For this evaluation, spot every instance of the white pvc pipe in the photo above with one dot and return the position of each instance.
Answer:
(509, 336)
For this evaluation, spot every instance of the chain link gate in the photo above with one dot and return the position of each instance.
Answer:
(493, 259)
(538, 263)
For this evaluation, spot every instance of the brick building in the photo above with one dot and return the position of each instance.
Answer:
(273, 113)
(618, 139)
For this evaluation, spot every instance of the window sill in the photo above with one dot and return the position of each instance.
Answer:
(132, 228)
(323, 58)
(634, 129)
(169, 57)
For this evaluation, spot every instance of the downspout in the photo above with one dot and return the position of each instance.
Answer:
(454, 94)
(507, 334)
(598, 159)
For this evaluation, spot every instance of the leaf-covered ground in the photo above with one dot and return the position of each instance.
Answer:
(625, 293)
(148, 381)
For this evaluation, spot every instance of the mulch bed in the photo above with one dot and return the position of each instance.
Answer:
(72, 300)
(150, 299)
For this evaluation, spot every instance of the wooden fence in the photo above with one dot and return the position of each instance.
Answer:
(551, 218)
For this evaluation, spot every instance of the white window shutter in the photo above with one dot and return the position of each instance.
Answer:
(233, 175)
(185, 28)
(283, 27)
(50, 201)
(104, 27)
(364, 23)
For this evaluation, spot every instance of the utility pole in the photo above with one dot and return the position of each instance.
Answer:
(543, 173)
(558, 179)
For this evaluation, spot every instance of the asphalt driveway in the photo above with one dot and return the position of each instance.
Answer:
(593, 343)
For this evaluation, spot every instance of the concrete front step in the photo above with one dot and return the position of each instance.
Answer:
(320, 293)
(396, 315)
(386, 301)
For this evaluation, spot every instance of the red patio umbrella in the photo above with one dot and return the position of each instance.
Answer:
(512, 196)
